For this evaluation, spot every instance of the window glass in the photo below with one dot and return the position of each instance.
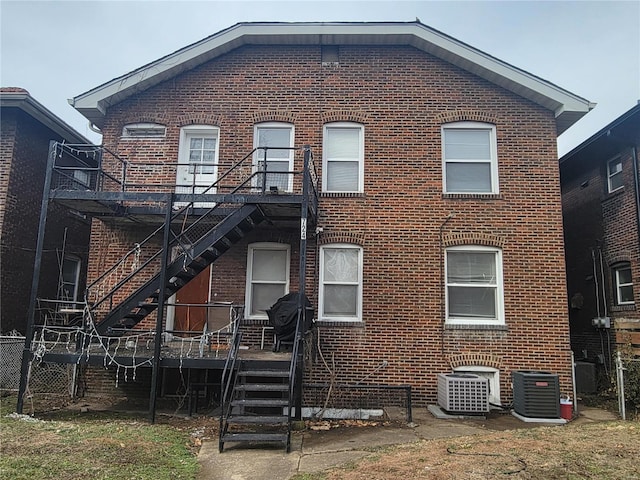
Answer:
(68, 287)
(340, 283)
(469, 153)
(473, 285)
(343, 158)
(614, 173)
(276, 159)
(623, 284)
(267, 277)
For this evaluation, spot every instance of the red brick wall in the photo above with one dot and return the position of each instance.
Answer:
(25, 146)
(604, 222)
(402, 97)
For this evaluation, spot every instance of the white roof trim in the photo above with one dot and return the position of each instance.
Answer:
(567, 107)
(24, 101)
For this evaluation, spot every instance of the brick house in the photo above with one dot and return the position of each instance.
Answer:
(27, 129)
(411, 191)
(601, 208)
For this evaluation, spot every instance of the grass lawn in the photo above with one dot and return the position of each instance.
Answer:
(70, 445)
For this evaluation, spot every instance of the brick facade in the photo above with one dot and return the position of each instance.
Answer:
(601, 230)
(24, 151)
(402, 221)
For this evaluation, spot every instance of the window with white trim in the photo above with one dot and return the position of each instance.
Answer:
(343, 159)
(69, 279)
(623, 284)
(340, 292)
(469, 153)
(144, 130)
(278, 156)
(267, 277)
(614, 174)
(473, 289)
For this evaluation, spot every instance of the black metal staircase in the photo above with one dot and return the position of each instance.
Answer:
(194, 257)
(258, 411)
(259, 398)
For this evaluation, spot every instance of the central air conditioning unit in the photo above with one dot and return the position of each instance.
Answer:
(463, 393)
(536, 394)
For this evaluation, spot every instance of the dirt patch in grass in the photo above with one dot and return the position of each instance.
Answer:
(592, 451)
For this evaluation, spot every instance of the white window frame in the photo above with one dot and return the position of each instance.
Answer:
(259, 154)
(321, 291)
(250, 282)
(611, 175)
(359, 159)
(618, 285)
(499, 287)
(144, 130)
(74, 295)
(493, 161)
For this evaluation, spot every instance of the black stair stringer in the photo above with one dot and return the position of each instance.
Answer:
(182, 269)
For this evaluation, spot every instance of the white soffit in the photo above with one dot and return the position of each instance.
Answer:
(568, 107)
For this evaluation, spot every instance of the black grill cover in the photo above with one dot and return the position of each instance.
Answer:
(283, 314)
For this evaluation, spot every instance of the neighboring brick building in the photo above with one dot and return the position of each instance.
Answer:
(438, 238)
(601, 208)
(27, 129)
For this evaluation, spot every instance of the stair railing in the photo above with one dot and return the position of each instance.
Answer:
(228, 380)
(105, 287)
(293, 368)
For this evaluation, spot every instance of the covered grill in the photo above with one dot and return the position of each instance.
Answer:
(283, 316)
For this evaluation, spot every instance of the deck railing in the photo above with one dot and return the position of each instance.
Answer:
(98, 169)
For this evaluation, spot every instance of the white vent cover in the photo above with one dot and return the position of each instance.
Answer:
(463, 393)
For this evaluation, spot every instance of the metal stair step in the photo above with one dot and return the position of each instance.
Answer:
(264, 373)
(260, 402)
(258, 419)
(255, 437)
(263, 387)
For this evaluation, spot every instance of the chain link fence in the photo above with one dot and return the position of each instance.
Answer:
(11, 347)
(44, 378)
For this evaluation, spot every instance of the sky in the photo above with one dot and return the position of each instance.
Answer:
(60, 49)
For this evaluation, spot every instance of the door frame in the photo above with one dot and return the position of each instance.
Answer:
(199, 181)
(171, 307)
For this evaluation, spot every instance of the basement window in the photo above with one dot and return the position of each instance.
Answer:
(144, 130)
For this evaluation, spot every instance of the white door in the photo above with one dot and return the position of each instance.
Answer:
(278, 158)
(197, 161)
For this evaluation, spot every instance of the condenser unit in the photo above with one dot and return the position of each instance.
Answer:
(463, 393)
(536, 394)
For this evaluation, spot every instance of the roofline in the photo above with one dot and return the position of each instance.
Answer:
(25, 102)
(568, 108)
(601, 133)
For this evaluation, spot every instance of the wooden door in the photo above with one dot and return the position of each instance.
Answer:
(191, 318)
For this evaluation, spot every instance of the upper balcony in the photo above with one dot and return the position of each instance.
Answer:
(93, 180)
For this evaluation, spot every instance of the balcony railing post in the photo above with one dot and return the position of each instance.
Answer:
(264, 171)
(35, 280)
